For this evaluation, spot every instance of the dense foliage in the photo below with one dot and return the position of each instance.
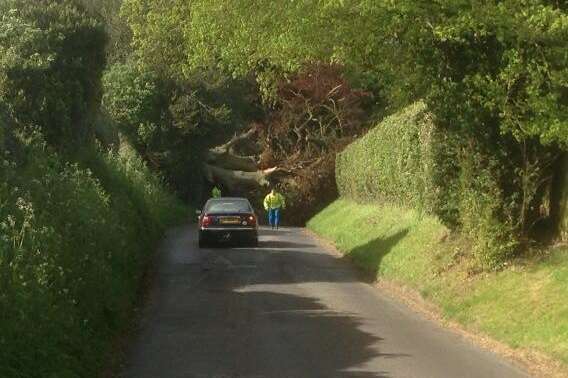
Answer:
(74, 242)
(51, 60)
(171, 121)
(262, 37)
(484, 148)
(507, 58)
(405, 160)
(493, 75)
(139, 103)
(78, 223)
(119, 34)
(315, 108)
(499, 94)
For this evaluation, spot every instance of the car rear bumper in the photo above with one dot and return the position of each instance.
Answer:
(225, 229)
(228, 233)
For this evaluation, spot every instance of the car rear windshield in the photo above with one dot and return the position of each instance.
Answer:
(228, 206)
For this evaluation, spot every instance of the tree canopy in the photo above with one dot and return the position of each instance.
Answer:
(508, 57)
(51, 61)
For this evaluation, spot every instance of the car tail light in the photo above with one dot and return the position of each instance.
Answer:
(206, 221)
(251, 219)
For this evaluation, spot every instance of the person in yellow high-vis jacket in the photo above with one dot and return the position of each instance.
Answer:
(274, 202)
(216, 192)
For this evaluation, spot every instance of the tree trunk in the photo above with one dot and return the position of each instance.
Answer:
(227, 160)
(235, 181)
(559, 197)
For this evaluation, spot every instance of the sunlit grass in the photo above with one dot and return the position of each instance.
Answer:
(524, 306)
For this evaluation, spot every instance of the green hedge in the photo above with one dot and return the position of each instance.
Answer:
(393, 162)
(408, 161)
(74, 241)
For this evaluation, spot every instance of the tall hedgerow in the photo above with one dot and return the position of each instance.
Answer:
(74, 242)
(77, 224)
(408, 160)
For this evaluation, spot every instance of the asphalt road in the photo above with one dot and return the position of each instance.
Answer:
(289, 308)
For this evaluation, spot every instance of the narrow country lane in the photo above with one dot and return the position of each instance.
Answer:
(289, 308)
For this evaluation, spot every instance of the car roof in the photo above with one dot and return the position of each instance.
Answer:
(228, 199)
(214, 202)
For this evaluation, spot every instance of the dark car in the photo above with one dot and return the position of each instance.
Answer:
(228, 219)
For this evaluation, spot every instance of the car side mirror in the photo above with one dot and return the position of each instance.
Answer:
(197, 212)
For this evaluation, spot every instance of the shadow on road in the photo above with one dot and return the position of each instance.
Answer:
(218, 332)
(285, 262)
(284, 244)
(266, 231)
(265, 244)
(221, 322)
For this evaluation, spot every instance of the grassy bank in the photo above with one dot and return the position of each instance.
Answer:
(524, 305)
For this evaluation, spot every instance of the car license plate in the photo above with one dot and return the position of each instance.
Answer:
(230, 220)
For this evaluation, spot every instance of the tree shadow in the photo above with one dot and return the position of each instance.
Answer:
(264, 244)
(267, 231)
(222, 322)
(284, 262)
(219, 332)
(284, 244)
(368, 256)
(229, 313)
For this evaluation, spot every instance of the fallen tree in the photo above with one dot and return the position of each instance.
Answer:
(237, 173)
(317, 113)
(236, 181)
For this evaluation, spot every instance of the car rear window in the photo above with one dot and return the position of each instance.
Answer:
(228, 206)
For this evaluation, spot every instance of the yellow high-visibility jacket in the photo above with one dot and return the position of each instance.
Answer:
(216, 192)
(274, 201)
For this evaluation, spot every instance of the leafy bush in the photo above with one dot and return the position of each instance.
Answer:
(501, 66)
(73, 245)
(482, 211)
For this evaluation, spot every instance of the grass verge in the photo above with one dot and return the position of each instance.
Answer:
(525, 305)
